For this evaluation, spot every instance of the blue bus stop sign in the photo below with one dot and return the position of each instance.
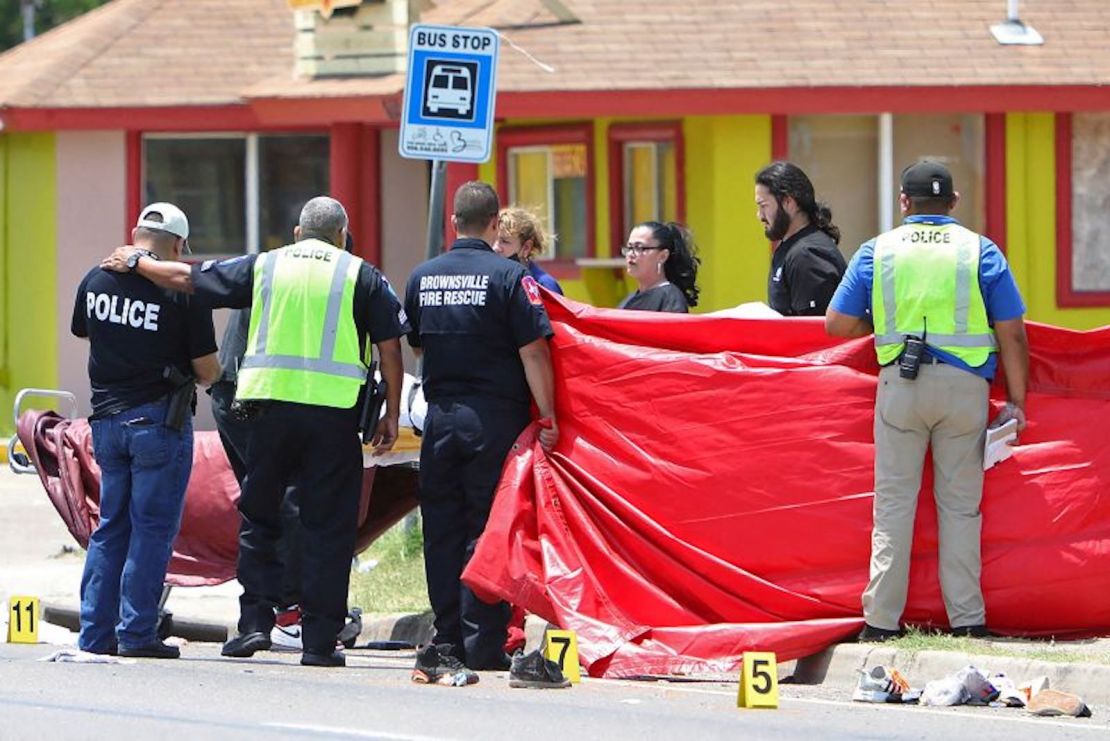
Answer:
(449, 94)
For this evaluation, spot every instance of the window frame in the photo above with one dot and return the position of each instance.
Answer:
(1066, 295)
(251, 170)
(652, 132)
(535, 137)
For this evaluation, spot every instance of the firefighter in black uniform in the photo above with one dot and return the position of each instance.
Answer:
(478, 321)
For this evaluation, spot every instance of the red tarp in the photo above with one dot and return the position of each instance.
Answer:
(207, 545)
(711, 493)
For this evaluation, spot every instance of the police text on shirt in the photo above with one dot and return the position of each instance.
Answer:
(453, 290)
(134, 313)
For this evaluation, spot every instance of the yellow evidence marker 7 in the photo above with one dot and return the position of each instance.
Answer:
(23, 620)
(759, 681)
(561, 647)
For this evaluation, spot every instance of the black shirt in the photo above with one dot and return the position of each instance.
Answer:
(663, 297)
(233, 346)
(471, 311)
(135, 330)
(230, 284)
(806, 268)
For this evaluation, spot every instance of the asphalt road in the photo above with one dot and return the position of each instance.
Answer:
(203, 696)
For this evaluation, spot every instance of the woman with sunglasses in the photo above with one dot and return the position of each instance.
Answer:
(662, 259)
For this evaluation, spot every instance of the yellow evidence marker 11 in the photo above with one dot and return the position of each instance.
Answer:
(759, 681)
(23, 620)
(561, 647)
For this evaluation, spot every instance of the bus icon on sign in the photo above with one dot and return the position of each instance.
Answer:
(449, 89)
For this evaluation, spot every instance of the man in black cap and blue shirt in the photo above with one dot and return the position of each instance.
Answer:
(140, 338)
(943, 306)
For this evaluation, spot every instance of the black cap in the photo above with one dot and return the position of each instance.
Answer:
(927, 179)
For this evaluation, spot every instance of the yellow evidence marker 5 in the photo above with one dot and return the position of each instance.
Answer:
(759, 681)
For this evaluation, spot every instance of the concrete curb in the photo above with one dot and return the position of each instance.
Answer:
(191, 630)
(839, 665)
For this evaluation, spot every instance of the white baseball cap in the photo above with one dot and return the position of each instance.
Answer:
(173, 219)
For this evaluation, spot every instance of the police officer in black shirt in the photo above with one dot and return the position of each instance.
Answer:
(314, 309)
(806, 266)
(479, 323)
(137, 332)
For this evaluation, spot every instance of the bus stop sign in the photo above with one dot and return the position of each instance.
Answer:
(449, 94)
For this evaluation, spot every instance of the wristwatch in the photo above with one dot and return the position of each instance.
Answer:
(133, 259)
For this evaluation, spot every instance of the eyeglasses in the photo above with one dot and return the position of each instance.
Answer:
(638, 248)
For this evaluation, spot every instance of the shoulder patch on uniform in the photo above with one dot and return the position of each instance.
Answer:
(532, 289)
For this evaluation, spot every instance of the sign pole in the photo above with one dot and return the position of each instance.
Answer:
(437, 197)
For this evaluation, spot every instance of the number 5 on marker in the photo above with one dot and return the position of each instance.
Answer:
(759, 682)
(562, 648)
(23, 620)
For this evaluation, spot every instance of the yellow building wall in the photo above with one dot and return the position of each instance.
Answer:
(723, 154)
(28, 267)
(1031, 220)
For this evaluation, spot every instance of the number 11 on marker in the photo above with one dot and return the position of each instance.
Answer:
(23, 620)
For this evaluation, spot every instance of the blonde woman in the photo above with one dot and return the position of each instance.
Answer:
(520, 235)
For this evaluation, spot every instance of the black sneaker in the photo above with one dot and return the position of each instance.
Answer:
(245, 644)
(335, 658)
(536, 672)
(972, 631)
(871, 634)
(157, 650)
(435, 664)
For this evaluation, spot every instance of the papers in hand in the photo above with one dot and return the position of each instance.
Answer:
(996, 448)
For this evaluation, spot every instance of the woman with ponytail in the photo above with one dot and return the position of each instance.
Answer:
(663, 261)
(806, 266)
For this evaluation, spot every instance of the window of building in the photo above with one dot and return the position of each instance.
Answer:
(1090, 204)
(550, 171)
(646, 178)
(241, 192)
(856, 163)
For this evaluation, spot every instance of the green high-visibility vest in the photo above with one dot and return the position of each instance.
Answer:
(302, 345)
(926, 284)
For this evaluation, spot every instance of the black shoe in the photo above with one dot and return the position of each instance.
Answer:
(871, 634)
(972, 631)
(349, 633)
(536, 672)
(335, 658)
(503, 662)
(245, 644)
(435, 664)
(156, 650)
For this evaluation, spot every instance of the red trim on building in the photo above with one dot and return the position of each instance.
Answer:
(355, 171)
(525, 136)
(1066, 295)
(458, 173)
(133, 187)
(800, 100)
(995, 145)
(369, 246)
(647, 131)
(780, 137)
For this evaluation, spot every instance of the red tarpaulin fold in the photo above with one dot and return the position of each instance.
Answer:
(711, 493)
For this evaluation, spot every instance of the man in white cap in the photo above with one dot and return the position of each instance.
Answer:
(140, 337)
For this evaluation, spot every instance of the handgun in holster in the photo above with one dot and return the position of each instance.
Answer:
(373, 398)
(183, 397)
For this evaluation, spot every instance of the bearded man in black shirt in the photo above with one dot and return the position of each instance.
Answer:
(806, 266)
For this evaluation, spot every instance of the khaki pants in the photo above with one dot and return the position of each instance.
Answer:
(945, 407)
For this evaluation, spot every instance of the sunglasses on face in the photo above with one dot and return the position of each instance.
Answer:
(638, 248)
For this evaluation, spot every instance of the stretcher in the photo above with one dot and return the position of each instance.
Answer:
(57, 446)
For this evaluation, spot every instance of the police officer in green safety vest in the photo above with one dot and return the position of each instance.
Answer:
(943, 306)
(315, 309)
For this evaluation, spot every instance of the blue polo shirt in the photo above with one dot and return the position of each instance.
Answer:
(996, 282)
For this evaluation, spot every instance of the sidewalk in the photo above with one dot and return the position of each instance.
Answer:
(38, 557)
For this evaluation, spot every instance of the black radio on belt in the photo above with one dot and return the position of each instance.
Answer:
(909, 362)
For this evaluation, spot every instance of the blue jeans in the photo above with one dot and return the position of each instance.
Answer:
(144, 472)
